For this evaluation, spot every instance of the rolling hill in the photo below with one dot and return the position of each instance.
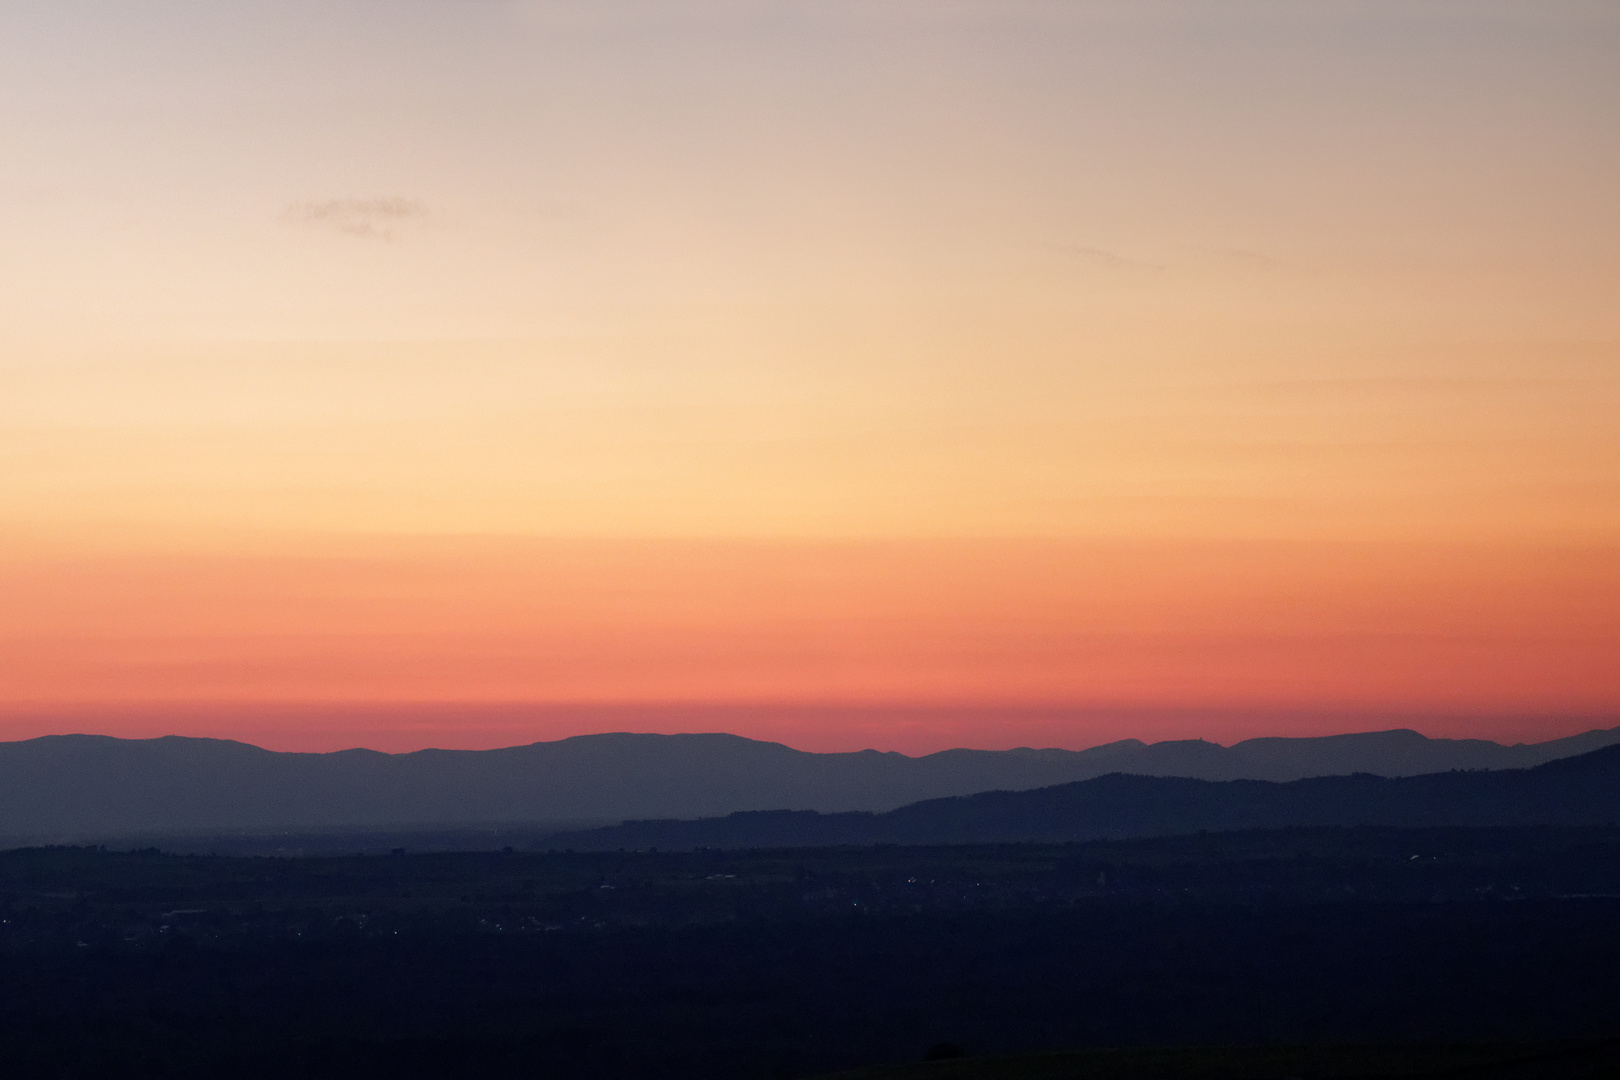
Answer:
(1583, 790)
(74, 787)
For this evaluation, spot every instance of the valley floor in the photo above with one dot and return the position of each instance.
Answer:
(1461, 949)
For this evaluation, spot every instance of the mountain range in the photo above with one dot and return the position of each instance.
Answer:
(1583, 790)
(76, 787)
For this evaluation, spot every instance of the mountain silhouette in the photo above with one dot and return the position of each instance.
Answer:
(1583, 790)
(74, 787)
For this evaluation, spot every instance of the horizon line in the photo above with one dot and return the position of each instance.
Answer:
(747, 738)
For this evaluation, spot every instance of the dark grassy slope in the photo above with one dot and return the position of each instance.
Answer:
(1574, 791)
(81, 787)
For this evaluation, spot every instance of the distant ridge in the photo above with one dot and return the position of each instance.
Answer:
(1583, 790)
(77, 787)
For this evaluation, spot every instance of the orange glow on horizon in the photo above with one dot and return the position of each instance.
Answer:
(1128, 363)
(1264, 627)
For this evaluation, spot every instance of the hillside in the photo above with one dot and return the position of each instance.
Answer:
(1583, 790)
(84, 786)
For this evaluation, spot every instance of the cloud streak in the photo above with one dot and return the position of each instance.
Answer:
(363, 219)
(1256, 260)
(1102, 258)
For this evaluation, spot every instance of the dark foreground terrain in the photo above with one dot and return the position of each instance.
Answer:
(1580, 1060)
(1307, 952)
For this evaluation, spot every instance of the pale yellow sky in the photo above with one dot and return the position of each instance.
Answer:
(792, 269)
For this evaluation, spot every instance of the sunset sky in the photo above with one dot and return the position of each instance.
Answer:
(890, 373)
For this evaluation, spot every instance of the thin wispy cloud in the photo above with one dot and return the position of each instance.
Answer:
(363, 219)
(1256, 260)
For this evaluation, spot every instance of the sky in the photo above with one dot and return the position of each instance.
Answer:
(854, 373)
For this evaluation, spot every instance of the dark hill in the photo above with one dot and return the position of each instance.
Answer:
(74, 787)
(1582, 790)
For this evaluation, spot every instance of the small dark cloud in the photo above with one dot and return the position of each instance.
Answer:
(364, 219)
